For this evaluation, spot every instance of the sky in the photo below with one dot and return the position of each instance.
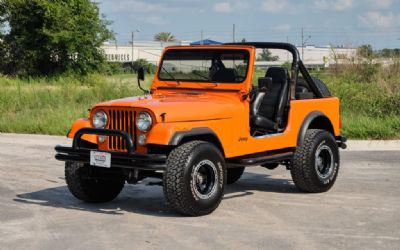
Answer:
(325, 22)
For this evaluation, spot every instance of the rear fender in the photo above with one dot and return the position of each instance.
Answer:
(314, 120)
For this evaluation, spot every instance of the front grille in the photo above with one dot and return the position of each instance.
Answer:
(123, 120)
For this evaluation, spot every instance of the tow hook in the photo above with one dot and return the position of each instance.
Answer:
(341, 142)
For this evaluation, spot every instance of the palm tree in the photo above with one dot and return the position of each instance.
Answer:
(164, 37)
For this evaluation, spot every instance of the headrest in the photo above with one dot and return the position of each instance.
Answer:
(278, 74)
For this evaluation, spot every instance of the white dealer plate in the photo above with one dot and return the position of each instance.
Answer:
(100, 159)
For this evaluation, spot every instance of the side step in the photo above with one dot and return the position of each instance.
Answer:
(259, 159)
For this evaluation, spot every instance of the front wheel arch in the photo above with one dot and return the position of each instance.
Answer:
(197, 134)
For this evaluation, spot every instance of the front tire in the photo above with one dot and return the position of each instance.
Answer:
(233, 174)
(195, 178)
(90, 189)
(316, 162)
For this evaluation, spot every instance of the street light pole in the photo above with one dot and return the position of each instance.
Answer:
(303, 43)
(133, 39)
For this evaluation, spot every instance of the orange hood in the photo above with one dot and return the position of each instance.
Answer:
(182, 106)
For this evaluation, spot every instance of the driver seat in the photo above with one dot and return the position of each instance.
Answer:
(268, 108)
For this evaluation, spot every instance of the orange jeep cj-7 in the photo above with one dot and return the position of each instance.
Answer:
(202, 123)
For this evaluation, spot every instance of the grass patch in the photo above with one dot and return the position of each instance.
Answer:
(357, 126)
(370, 99)
(49, 106)
(370, 103)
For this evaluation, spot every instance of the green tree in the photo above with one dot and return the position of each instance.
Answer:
(50, 37)
(164, 37)
(365, 51)
(266, 55)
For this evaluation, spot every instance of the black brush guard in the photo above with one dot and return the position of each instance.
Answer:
(130, 159)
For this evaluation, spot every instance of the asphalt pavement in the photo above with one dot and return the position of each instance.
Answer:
(263, 210)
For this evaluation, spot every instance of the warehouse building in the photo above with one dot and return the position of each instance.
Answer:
(313, 56)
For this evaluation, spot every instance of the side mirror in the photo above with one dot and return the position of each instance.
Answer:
(140, 74)
(265, 84)
(140, 77)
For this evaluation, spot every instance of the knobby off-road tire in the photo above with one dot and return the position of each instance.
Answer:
(316, 162)
(86, 188)
(233, 174)
(195, 178)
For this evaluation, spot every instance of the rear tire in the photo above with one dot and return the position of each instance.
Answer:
(195, 178)
(90, 189)
(233, 174)
(321, 86)
(316, 162)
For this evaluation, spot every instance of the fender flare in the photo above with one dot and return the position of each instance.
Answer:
(306, 124)
(180, 136)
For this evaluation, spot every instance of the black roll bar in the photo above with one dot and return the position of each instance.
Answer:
(297, 64)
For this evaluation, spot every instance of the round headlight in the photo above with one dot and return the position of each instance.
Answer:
(99, 119)
(143, 121)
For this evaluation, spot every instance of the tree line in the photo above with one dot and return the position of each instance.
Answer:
(42, 38)
(366, 51)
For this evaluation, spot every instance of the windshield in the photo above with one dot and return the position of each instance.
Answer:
(205, 65)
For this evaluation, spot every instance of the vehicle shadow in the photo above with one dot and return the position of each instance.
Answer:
(259, 182)
(147, 198)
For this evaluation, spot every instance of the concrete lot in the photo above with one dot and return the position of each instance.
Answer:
(261, 211)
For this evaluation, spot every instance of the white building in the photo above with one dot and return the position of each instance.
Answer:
(151, 51)
(313, 56)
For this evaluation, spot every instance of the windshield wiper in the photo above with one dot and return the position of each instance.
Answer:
(171, 75)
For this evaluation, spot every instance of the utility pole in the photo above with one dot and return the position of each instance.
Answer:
(287, 52)
(302, 43)
(133, 38)
(201, 37)
(233, 33)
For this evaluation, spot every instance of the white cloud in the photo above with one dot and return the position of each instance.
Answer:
(380, 4)
(231, 6)
(344, 4)
(274, 6)
(282, 28)
(136, 6)
(338, 5)
(224, 7)
(155, 20)
(376, 19)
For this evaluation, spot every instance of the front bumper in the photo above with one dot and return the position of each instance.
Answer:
(128, 160)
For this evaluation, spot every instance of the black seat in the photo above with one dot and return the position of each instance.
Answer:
(224, 75)
(269, 107)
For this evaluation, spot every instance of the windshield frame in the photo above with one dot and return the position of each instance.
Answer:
(246, 52)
